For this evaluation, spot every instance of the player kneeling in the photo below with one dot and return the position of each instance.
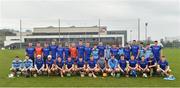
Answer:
(16, 67)
(123, 65)
(38, 66)
(80, 67)
(152, 65)
(102, 65)
(50, 67)
(27, 66)
(163, 67)
(133, 66)
(69, 67)
(143, 66)
(59, 66)
(113, 66)
(92, 67)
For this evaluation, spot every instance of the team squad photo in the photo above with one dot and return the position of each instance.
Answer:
(136, 59)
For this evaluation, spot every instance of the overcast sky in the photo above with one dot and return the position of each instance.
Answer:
(163, 16)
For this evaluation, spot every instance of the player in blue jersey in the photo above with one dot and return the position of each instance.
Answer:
(60, 51)
(143, 66)
(53, 49)
(135, 49)
(157, 50)
(127, 52)
(113, 66)
(60, 66)
(80, 67)
(46, 51)
(95, 53)
(92, 67)
(148, 51)
(114, 51)
(38, 66)
(133, 66)
(123, 65)
(88, 51)
(141, 51)
(80, 49)
(66, 51)
(120, 51)
(69, 66)
(30, 51)
(101, 49)
(163, 66)
(27, 66)
(16, 67)
(152, 64)
(50, 68)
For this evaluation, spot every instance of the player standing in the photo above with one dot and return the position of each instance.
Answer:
(114, 51)
(88, 51)
(60, 51)
(46, 51)
(95, 53)
(127, 52)
(120, 51)
(53, 49)
(141, 51)
(101, 49)
(148, 51)
(73, 52)
(66, 51)
(30, 50)
(156, 49)
(135, 49)
(80, 49)
(38, 49)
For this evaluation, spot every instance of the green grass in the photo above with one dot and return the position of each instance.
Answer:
(6, 57)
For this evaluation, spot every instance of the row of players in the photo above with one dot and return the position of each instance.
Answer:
(75, 51)
(92, 67)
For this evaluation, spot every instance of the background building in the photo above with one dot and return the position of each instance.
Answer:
(68, 34)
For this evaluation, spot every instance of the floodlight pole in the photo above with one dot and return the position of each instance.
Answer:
(99, 30)
(130, 35)
(59, 30)
(146, 24)
(20, 34)
(138, 29)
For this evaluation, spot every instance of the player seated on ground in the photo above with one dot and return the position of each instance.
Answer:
(80, 67)
(59, 66)
(113, 66)
(38, 66)
(102, 66)
(152, 64)
(163, 66)
(69, 67)
(133, 66)
(27, 66)
(16, 67)
(143, 66)
(50, 68)
(123, 65)
(92, 67)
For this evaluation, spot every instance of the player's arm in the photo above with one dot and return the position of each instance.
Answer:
(136, 66)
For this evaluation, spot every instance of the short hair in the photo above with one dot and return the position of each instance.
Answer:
(163, 56)
(156, 41)
(148, 44)
(17, 57)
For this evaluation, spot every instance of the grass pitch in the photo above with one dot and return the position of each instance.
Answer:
(6, 57)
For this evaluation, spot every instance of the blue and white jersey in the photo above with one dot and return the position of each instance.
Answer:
(28, 63)
(141, 51)
(120, 51)
(95, 54)
(148, 52)
(113, 63)
(107, 53)
(17, 64)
